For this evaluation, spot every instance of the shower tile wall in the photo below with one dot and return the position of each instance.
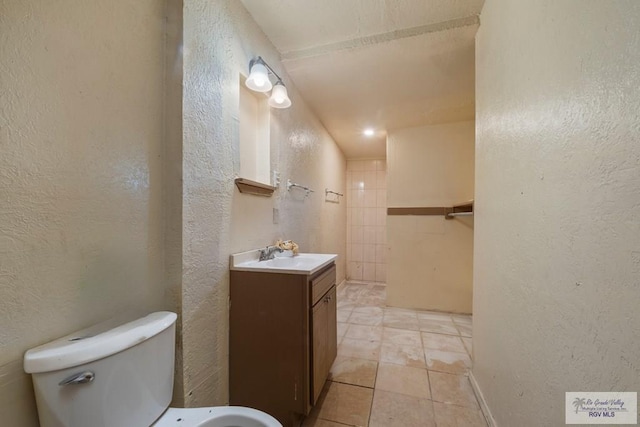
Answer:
(366, 220)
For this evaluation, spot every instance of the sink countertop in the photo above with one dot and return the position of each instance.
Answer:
(303, 263)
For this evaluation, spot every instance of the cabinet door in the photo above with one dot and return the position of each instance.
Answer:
(332, 329)
(319, 348)
(325, 342)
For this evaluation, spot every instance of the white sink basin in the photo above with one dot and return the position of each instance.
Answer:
(303, 261)
(299, 264)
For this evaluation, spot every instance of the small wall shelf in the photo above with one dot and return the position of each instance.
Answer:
(429, 211)
(461, 209)
(252, 187)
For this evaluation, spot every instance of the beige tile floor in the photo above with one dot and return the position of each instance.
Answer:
(397, 367)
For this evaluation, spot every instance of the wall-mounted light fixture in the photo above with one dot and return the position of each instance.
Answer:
(259, 81)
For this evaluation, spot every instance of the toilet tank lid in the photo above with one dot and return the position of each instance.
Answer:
(94, 343)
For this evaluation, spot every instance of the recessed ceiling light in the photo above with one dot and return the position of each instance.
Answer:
(368, 132)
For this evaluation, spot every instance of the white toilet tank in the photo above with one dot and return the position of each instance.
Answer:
(106, 376)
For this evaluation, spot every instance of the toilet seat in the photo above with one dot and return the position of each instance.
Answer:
(216, 416)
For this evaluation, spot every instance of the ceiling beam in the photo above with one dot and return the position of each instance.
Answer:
(380, 38)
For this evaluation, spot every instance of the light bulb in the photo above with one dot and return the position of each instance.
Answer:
(258, 79)
(368, 132)
(279, 97)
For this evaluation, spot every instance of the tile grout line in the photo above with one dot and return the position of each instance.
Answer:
(426, 366)
(375, 381)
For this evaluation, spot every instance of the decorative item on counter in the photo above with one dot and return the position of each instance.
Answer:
(289, 248)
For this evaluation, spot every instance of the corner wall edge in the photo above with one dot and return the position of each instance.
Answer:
(483, 403)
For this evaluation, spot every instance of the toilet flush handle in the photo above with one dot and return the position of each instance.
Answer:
(81, 378)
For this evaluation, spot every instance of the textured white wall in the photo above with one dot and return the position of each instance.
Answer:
(430, 261)
(81, 161)
(557, 229)
(219, 40)
(114, 201)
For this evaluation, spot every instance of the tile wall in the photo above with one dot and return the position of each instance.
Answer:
(366, 220)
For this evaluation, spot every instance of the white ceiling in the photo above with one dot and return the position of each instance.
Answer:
(385, 64)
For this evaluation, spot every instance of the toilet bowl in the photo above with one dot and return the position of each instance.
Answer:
(217, 416)
(121, 376)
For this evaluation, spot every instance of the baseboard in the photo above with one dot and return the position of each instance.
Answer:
(365, 282)
(483, 403)
(341, 284)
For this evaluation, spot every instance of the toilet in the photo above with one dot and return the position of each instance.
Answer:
(121, 376)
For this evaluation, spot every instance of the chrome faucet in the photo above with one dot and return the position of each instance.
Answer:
(269, 252)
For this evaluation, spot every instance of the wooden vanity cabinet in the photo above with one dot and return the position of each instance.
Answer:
(282, 340)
